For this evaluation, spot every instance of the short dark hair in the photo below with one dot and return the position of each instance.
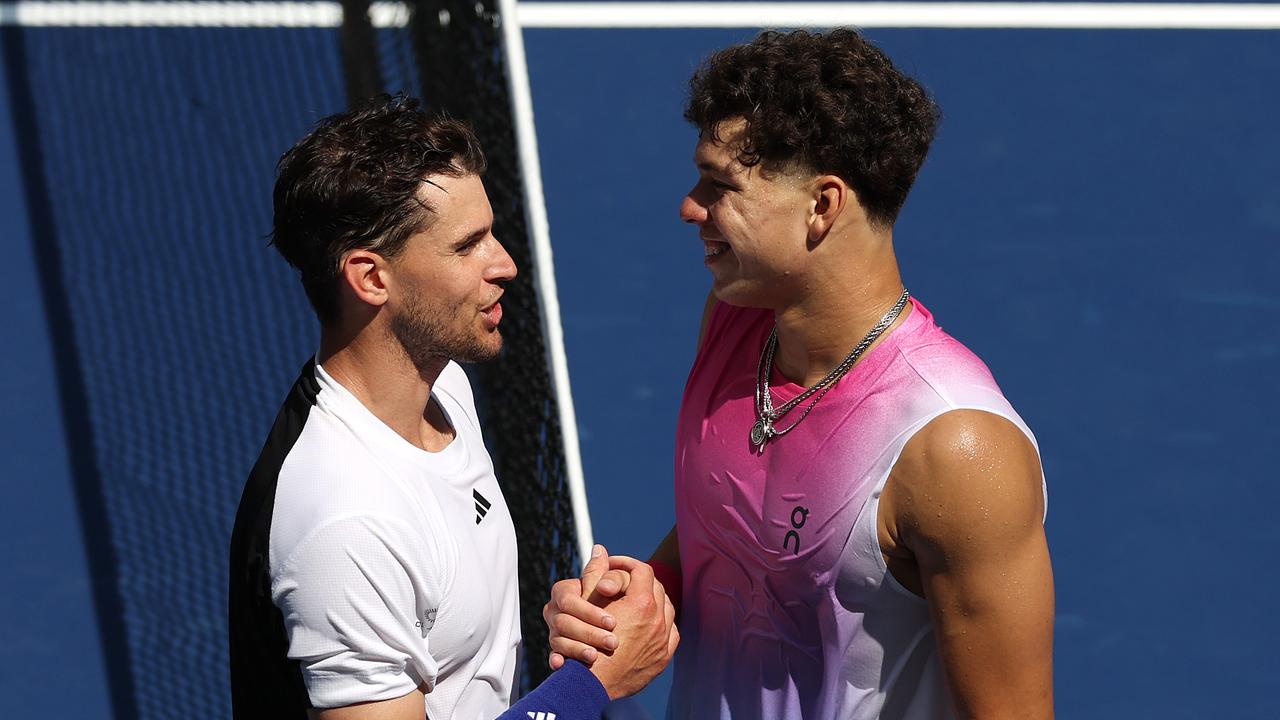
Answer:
(352, 183)
(821, 102)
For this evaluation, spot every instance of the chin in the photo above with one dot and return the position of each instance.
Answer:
(740, 294)
(488, 347)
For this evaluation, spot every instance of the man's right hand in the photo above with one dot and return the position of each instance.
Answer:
(580, 628)
(617, 619)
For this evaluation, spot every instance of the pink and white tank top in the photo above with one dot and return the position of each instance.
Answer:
(788, 609)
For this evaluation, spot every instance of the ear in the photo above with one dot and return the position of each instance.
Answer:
(364, 274)
(832, 198)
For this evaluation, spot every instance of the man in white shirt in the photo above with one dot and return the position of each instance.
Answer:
(365, 580)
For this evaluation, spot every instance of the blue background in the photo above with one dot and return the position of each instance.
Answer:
(1098, 220)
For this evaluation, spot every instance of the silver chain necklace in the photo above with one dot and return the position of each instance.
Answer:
(764, 430)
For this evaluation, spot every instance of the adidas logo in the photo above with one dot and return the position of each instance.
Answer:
(542, 715)
(482, 509)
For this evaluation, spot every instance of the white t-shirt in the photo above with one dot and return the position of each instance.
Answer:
(395, 568)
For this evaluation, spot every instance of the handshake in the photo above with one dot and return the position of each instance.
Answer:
(616, 619)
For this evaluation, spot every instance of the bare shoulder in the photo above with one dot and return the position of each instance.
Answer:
(967, 477)
(968, 509)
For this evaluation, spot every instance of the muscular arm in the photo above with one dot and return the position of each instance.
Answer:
(963, 523)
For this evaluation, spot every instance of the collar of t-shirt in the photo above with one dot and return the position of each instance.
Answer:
(348, 409)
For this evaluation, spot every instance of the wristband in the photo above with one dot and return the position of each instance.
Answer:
(571, 693)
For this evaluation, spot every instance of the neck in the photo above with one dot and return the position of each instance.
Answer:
(374, 368)
(818, 332)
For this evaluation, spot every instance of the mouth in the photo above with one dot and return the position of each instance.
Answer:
(713, 248)
(492, 314)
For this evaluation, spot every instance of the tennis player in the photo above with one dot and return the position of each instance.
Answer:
(859, 510)
(373, 561)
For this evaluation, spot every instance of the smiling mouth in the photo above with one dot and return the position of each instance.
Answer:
(711, 248)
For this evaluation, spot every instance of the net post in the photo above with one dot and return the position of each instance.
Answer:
(359, 53)
(544, 268)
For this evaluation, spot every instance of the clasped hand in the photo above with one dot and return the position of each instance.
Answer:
(616, 619)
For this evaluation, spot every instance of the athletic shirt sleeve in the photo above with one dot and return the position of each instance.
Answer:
(358, 611)
(351, 604)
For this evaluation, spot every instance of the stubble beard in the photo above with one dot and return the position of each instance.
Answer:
(426, 336)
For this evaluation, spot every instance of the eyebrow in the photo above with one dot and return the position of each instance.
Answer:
(475, 236)
(708, 166)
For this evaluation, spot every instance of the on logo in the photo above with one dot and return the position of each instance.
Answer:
(796, 512)
(542, 715)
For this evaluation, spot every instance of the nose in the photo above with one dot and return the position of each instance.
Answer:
(692, 211)
(503, 268)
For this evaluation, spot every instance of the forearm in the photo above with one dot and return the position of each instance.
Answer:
(668, 551)
(665, 562)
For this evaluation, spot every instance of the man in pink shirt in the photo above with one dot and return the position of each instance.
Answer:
(859, 511)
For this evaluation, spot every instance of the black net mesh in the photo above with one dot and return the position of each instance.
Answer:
(461, 67)
(148, 160)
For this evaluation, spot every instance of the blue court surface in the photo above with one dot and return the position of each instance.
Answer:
(1099, 220)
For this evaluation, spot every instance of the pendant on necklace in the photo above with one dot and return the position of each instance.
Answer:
(760, 433)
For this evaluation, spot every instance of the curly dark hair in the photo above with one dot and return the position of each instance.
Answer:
(824, 103)
(352, 183)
